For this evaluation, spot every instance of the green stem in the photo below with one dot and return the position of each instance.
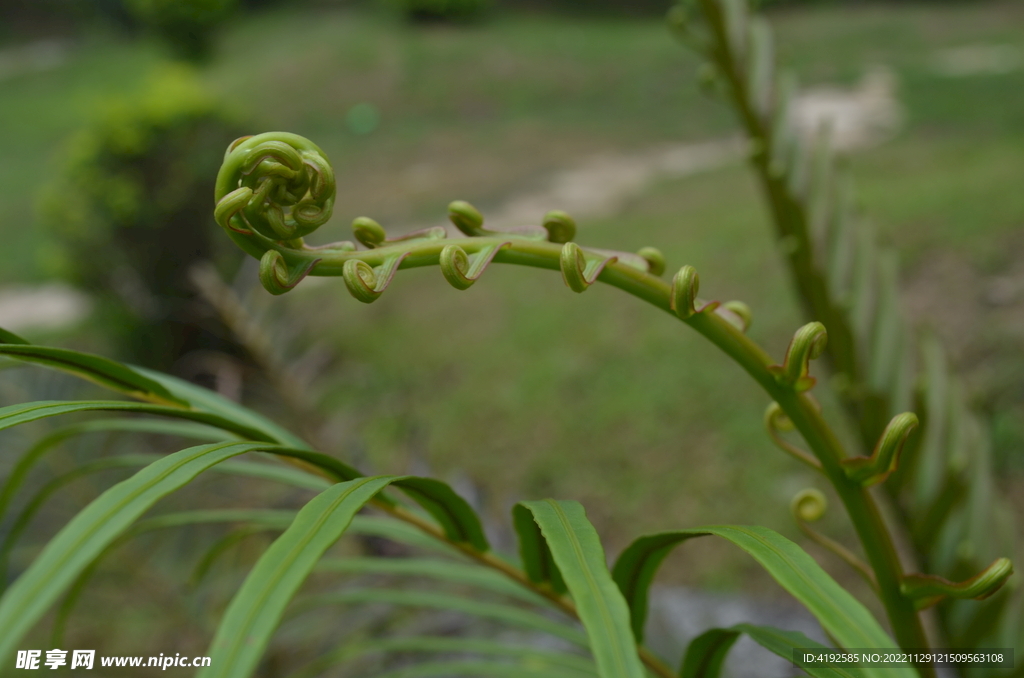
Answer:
(791, 223)
(871, 529)
(254, 223)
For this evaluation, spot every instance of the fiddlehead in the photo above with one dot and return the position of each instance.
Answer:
(685, 285)
(885, 458)
(849, 283)
(277, 184)
(562, 228)
(927, 590)
(275, 275)
(275, 188)
(776, 422)
(808, 506)
(807, 344)
(462, 270)
(579, 269)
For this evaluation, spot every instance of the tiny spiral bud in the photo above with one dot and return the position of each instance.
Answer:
(560, 226)
(276, 277)
(776, 422)
(654, 258)
(741, 311)
(775, 418)
(368, 232)
(808, 505)
(455, 267)
(886, 455)
(274, 272)
(573, 265)
(685, 285)
(808, 343)
(228, 212)
(360, 280)
(466, 217)
(928, 589)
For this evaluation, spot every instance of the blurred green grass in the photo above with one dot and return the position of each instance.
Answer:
(518, 383)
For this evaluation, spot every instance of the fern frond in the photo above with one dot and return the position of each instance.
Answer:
(849, 283)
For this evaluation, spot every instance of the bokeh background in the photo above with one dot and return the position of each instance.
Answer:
(113, 119)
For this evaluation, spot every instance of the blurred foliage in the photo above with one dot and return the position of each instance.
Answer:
(443, 10)
(186, 25)
(131, 212)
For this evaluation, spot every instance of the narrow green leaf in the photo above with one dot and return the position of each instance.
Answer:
(8, 337)
(102, 371)
(572, 665)
(257, 519)
(271, 519)
(842, 246)
(220, 547)
(761, 68)
(507, 614)
(147, 385)
(533, 550)
(930, 465)
(888, 326)
(458, 519)
(13, 415)
(822, 193)
(580, 557)
(864, 293)
(400, 532)
(445, 570)
(95, 527)
(36, 502)
(783, 643)
(183, 429)
(478, 668)
(24, 413)
(981, 491)
(256, 608)
(736, 16)
(838, 612)
(707, 652)
(205, 399)
(279, 474)
(782, 130)
(705, 655)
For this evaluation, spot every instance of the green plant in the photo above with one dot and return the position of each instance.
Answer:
(187, 26)
(133, 189)
(447, 10)
(276, 188)
(943, 491)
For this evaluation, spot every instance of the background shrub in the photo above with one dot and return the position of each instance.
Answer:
(131, 213)
(446, 10)
(186, 25)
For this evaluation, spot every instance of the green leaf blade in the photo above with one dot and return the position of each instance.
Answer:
(103, 371)
(577, 551)
(93, 529)
(259, 604)
(840, 614)
(23, 413)
(453, 513)
(706, 653)
(508, 614)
